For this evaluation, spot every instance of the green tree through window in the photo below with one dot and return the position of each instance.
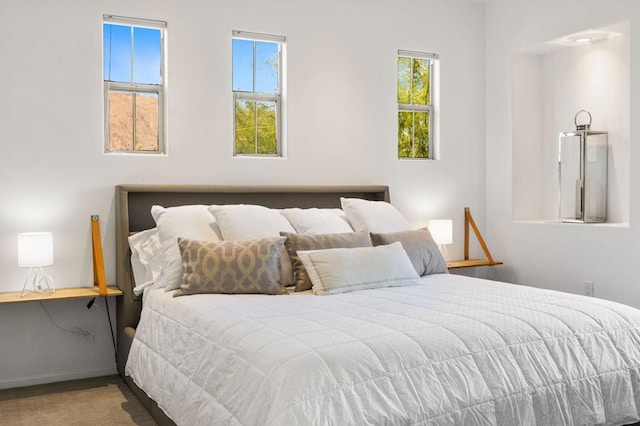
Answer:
(256, 75)
(415, 106)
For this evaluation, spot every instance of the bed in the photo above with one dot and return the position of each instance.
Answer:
(447, 350)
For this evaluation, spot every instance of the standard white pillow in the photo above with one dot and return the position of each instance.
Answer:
(193, 222)
(317, 221)
(242, 222)
(249, 222)
(373, 216)
(347, 269)
(146, 259)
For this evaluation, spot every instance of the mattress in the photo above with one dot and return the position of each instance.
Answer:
(453, 350)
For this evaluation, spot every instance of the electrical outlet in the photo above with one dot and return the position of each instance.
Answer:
(589, 288)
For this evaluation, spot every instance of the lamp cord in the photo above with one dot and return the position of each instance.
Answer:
(113, 338)
(75, 330)
(87, 334)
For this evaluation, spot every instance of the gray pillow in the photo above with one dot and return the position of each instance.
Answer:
(301, 242)
(419, 245)
(231, 267)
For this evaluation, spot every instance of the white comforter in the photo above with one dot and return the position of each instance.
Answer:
(454, 350)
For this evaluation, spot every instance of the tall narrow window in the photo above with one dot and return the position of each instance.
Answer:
(134, 84)
(415, 105)
(257, 94)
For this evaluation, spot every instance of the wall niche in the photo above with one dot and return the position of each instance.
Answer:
(551, 82)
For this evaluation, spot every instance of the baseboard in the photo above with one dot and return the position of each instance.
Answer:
(74, 375)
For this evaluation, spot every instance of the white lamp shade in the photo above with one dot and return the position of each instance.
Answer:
(35, 249)
(441, 231)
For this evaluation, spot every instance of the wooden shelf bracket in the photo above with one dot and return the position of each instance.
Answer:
(468, 220)
(99, 276)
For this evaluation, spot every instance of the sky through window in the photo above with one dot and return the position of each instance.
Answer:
(257, 74)
(125, 46)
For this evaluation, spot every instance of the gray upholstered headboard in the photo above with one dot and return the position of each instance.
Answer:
(133, 213)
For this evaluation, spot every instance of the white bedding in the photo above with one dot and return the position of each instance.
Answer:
(455, 350)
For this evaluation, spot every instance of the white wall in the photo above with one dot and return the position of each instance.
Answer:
(341, 130)
(561, 256)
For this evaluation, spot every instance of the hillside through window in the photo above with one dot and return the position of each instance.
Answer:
(257, 94)
(133, 74)
(415, 105)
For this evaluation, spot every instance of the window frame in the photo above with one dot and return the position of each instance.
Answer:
(277, 98)
(429, 108)
(135, 88)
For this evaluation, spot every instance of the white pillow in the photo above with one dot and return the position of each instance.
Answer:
(347, 269)
(373, 216)
(249, 222)
(146, 259)
(242, 222)
(193, 222)
(317, 221)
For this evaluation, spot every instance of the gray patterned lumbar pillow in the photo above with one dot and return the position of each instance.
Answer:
(419, 245)
(301, 242)
(231, 267)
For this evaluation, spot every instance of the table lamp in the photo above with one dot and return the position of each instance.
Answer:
(442, 232)
(35, 250)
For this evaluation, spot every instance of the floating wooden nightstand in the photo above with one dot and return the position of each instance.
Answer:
(466, 262)
(99, 287)
(61, 293)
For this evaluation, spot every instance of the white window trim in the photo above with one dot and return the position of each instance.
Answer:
(432, 101)
(277, 98)
(158, 89)
(134, 22)
(414, 54)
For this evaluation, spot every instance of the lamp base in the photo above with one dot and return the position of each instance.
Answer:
(38, 282)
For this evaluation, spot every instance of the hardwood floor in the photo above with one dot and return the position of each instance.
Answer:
(98, 401)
